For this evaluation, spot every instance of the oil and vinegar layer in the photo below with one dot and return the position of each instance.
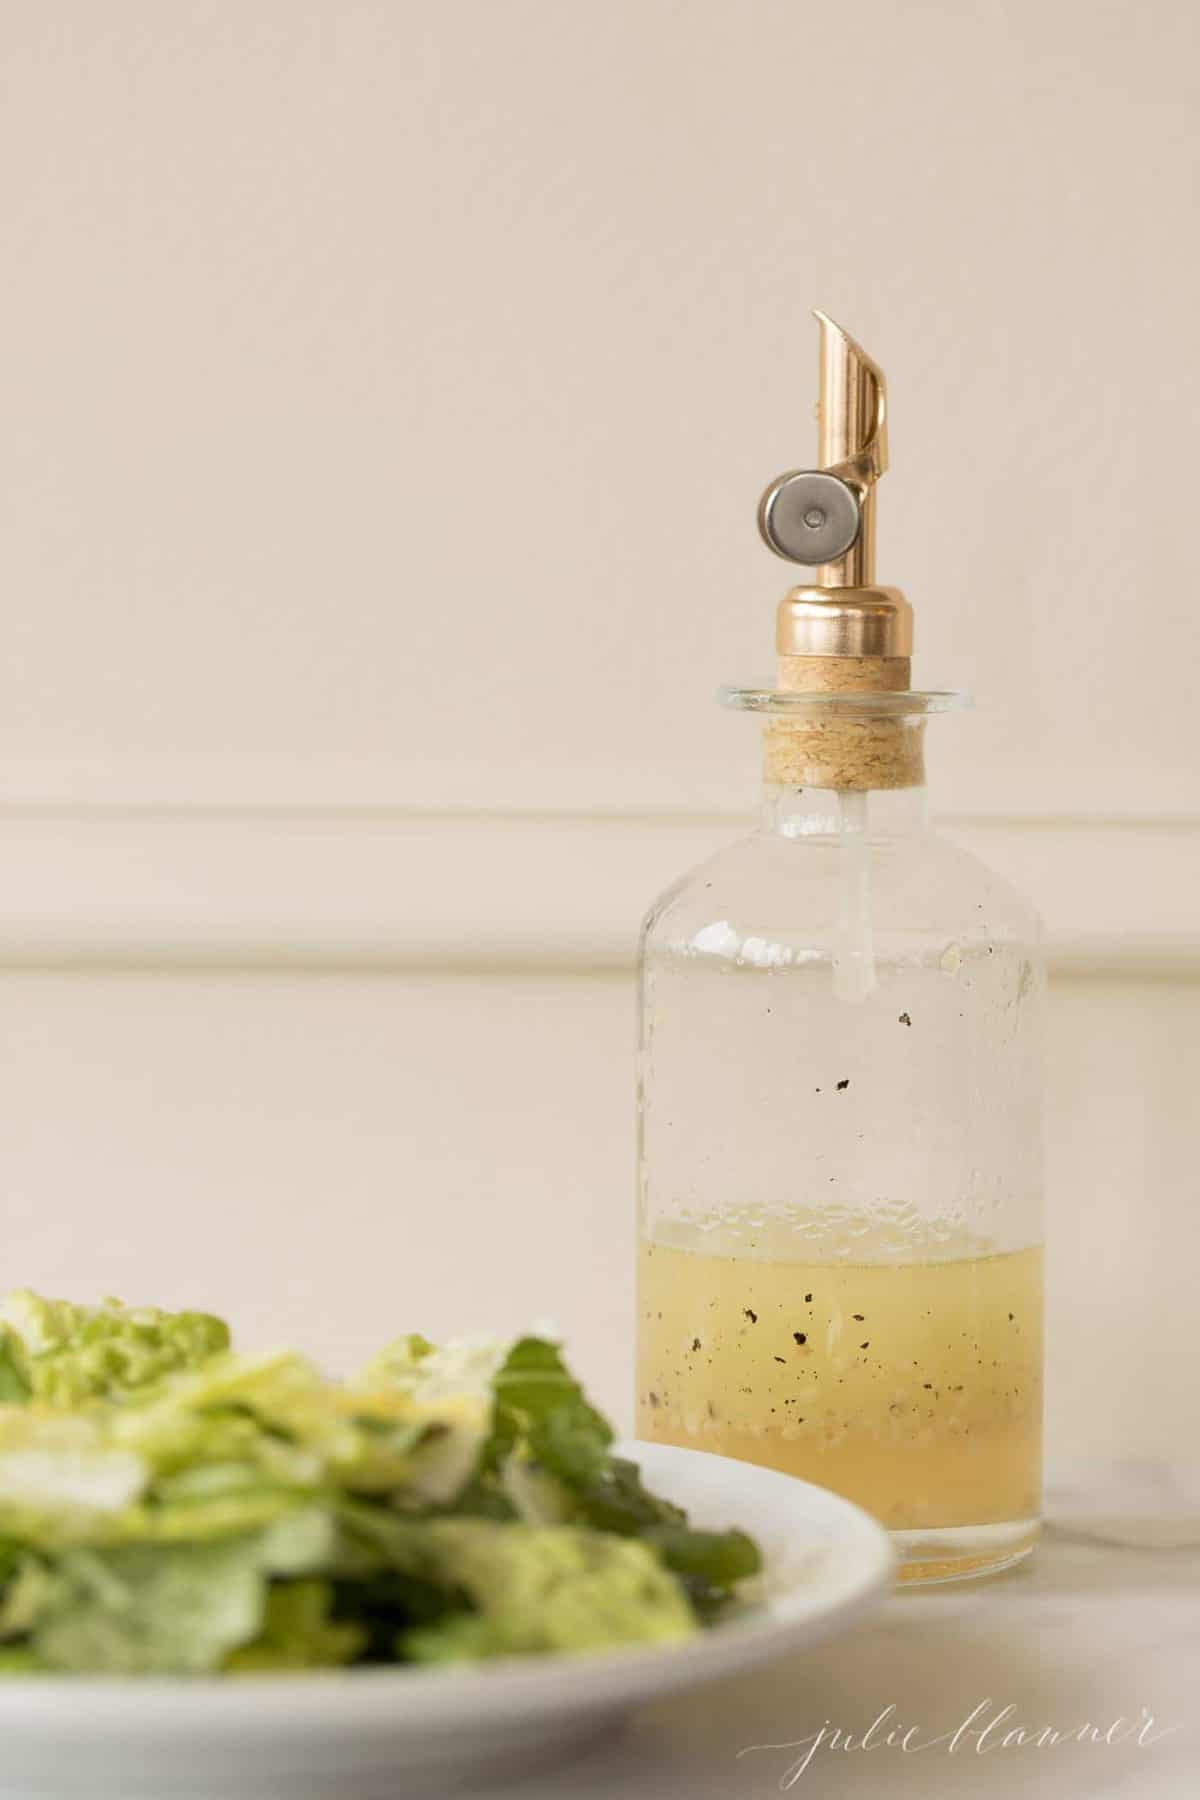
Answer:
(898, 1366)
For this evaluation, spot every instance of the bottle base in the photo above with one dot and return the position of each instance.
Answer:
(962, 1552)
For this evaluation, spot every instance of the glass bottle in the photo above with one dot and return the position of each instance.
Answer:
(840, 1144)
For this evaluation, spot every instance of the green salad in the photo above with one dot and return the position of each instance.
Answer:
(168, 1505)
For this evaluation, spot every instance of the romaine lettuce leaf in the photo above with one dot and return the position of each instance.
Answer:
(179, 1608)
(298, 1633)
(542, 1408)
(14, 1383)
(449, 1390)
(709, 1562)
(28, 1588)
(61, 1354)
(544, 1588)
(556, 1465)
(142, 1609)
(61, 1478)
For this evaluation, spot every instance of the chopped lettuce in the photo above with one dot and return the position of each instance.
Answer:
(14, 1383)
(59, 1353)
(535, 1589)
(556, 1465)
(159, 1609)
(297, 1632)
(168, 1505)
(62, 1478)
(542, 1408)
(27, 1594)
(146, 1609)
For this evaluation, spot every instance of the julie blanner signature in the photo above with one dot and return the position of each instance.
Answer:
(988, 1727)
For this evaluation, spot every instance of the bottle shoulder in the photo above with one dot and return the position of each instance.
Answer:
(924, 883)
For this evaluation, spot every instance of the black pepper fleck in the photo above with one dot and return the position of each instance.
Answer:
(781, 1359)
(695, 1343)
(801, 1337)
(653, 1399)
(904, 1019)
(865, 1346)
(843, 1085)
(752, 1316)
(859, 1316)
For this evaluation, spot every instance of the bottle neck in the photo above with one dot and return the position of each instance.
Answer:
(882, 813)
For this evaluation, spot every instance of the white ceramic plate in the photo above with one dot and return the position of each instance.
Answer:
(367, 1734)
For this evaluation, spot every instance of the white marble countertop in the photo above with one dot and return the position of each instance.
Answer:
(1092, 1637)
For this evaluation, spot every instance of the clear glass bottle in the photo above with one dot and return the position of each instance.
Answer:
(840, 1135)
(840, 1230)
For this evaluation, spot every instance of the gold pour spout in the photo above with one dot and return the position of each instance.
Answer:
(824, 519)
(852, 442)
(840, 639)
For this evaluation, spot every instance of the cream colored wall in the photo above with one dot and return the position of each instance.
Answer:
(389, 387)
(387, 393)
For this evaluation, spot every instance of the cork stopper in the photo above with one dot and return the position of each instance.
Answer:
(853, 751)
(840, 635)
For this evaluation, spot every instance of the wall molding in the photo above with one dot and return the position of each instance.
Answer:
(333, 888)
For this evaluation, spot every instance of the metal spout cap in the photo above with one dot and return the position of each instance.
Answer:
(824, 518)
